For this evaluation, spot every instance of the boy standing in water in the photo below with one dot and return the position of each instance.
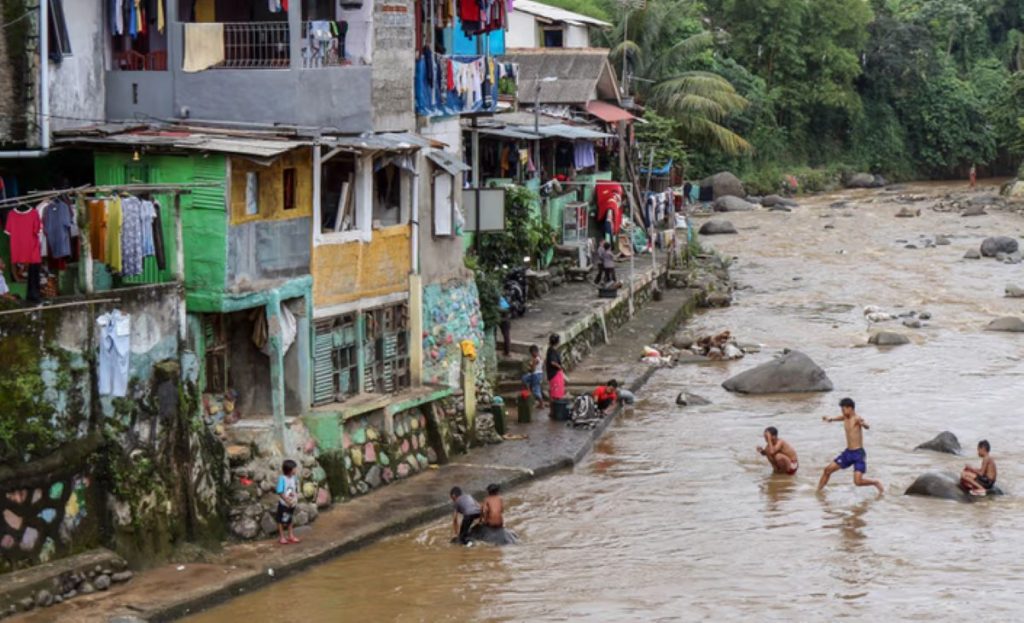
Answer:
(981, 480)
(779, 453)
(491, 514)
(854, 454)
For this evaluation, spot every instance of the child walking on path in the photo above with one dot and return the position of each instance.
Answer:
(533, 379)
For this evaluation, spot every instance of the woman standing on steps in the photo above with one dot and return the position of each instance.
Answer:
(553, 369)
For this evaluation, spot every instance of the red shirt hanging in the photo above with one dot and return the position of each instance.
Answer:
(24, 228)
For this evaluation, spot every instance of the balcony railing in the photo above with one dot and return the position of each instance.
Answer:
(130, 60)
(323, 44)
(256, 45)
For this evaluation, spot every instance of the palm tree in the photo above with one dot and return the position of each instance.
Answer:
(656, 47)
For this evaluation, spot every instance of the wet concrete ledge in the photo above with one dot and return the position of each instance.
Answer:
(164, 593)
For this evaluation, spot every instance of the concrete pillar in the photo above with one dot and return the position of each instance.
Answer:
(304, 344)
(416, 329)
(469, 394)
(273, 311)
(295, 34)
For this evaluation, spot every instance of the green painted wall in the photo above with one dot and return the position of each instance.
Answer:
(203, 213)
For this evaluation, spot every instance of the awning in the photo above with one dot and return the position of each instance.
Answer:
(609, 113)
(571, 132)
(448, 161)
(516, 133)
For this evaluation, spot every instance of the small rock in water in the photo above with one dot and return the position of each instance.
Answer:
(912, 323)
(908, 213)
(122, 576)
(102, 582)
(829, 226)
(686, 399)
(974, 210)
(910, 246)
(942, 241)
(925, 315)
(1014, 292)
(943, 442)
(1008, 324)
(888, 338)
(972, 254)
(44, 599)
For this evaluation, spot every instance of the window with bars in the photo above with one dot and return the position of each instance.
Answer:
(336, 360)
(380, 335)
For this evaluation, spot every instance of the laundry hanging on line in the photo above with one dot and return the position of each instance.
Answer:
(451, 85)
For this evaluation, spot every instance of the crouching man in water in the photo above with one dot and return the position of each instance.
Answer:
(981, 480)
(854, 454)
(464, 505)
(779, 452)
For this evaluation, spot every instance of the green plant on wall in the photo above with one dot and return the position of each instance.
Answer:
(525, 233)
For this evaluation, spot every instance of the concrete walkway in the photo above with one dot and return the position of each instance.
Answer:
(573, 306)
(167, 591)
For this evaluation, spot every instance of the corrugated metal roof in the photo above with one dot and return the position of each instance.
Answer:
(509, 133)
(256, 147)
(572, 132)
(556, 14)
(261, 144)
(447, 161)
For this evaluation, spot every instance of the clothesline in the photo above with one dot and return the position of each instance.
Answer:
(35, 197)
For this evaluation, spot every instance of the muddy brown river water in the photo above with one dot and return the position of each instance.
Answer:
(675, 517)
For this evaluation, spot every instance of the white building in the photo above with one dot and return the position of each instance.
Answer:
(536, 25)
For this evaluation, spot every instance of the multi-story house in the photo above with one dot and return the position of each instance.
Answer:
(335, 194)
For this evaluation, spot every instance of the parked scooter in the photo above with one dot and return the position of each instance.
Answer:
(516, 288)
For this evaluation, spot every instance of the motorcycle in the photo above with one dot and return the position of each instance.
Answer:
(515, 288)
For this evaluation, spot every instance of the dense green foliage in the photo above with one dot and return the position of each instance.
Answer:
(524, 236)
(906, 88)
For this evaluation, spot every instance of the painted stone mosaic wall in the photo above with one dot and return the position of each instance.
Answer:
(451, 313)
(53, 519)
(372, 458)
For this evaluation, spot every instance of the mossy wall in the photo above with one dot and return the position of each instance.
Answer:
(139, 473)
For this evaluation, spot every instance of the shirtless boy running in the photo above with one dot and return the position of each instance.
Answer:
(779, 452)
(854, 454)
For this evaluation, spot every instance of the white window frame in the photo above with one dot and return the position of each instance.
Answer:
(436, 209)
(363, 189)
(252, 193)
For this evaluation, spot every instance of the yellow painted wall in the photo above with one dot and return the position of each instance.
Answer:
(271, 187)
(343, 273)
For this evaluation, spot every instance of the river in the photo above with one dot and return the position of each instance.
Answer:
(675, 517)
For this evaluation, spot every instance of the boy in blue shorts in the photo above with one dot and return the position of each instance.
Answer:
(854, 453)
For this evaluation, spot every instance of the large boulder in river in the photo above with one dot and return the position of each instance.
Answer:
(1007, 324)
(778, 200)
(888, 338)
(494, 536)
(715, 226)
(724, 184)
(865, 180)
(793, 372)
(945, 486)
(732, 204)
(943, 442)
(991, 247)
